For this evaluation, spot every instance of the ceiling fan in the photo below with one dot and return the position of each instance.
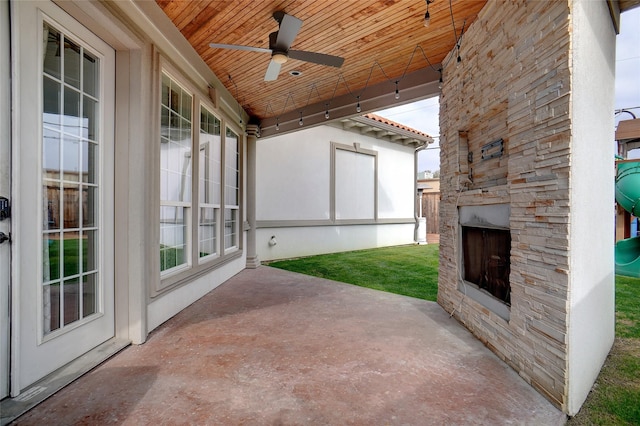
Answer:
(279, 43)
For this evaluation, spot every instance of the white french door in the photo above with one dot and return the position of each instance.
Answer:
(63, 207)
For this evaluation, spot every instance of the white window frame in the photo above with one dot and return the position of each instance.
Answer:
(357, 149)
(186, 205)
(197, 265)
(235, 234)
(217, 207)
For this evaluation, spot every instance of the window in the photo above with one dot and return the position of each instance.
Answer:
(70, 182)
(355, 175)
(232, 190)
(210, 172)
(199, 213)
(175, 174)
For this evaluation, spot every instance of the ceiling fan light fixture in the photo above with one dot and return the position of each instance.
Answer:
(279, 58)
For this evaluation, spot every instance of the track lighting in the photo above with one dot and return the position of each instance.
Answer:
(358, 109)
(427, 16)
(397, 91)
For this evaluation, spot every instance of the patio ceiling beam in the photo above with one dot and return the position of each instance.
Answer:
(421, 84)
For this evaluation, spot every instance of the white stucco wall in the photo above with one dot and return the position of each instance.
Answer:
(309, 241)
(293, 177)
(591, 291)
(294, 190)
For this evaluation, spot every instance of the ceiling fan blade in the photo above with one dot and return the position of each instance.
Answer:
(272, 71)
(289, 27)
(316, 58)
(239, 47)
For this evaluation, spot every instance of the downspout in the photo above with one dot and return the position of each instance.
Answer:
(415, 188)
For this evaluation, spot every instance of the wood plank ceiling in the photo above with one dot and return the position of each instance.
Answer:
(377, 39)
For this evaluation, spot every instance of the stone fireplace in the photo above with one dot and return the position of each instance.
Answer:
(526, 211)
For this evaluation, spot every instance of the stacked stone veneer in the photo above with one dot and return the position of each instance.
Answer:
(513, 82)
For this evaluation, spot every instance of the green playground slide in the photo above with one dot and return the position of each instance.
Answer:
(628, 196)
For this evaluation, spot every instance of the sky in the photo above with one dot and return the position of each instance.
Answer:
(423, 115)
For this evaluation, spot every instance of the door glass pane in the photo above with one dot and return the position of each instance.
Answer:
(90, 74)
(71, 117)
(70, 206)
(52, 91)
(89, 205)
(90, 251)
(51, 205)
(70, 253)
(71, 63)
(71, 303)
(89, 163)
(52, 54)
(51, 307)
(70, 182)
(51, 257)
(89, 296)
(51, 153)
(89, 114)
(71, 158)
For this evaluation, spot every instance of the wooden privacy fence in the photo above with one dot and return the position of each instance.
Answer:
(430, 211)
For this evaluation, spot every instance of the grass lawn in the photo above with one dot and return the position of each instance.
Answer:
(413, 271)
(408, 270)
(615, 397)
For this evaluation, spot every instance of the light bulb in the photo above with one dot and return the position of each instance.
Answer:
(427, 19)
(326, 113)
(300, 122)
(397, 91)
(277, 124)
(358, 109)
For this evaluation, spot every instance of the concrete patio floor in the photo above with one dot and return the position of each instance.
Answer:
(272, 347)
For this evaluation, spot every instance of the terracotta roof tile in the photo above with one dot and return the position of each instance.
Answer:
(394, 124)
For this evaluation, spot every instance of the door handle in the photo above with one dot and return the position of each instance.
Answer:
(4, 237)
